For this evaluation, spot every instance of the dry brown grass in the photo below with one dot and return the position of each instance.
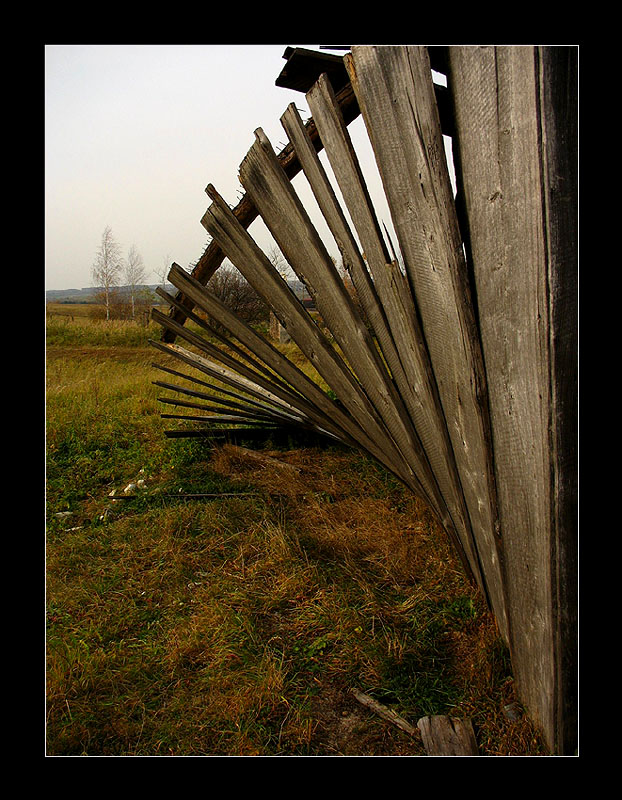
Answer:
(389, 542)
(239, 625)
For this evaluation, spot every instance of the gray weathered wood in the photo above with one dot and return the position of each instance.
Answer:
(448, 736)
(260, 273)
(383, 711)
(508, 174)
(237, 379)
(247, 412)
(411, 368)
(303, 248)
(465, 388)
(316, 403)
(396, 94)
(277, 393)
(245, 212)
(217, 390)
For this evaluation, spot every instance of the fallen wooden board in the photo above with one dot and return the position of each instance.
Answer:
(384, 712)
(260, 458)
(447, 736)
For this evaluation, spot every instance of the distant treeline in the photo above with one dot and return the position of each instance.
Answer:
(93, 294)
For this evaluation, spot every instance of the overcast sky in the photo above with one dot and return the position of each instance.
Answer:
(133, 135)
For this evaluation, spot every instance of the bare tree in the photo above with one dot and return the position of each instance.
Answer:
(134, 272)
(237, 294)
(277, 259)
(162, 273)
(107, 266)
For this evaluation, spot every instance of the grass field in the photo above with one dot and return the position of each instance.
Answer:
(239, 624)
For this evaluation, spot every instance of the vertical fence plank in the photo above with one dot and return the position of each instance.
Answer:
(497, 93)
(558, 70)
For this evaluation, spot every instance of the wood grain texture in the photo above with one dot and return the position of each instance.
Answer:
(399, 332)
(304, 250)
(502, 114)
(246, 213)
(448, 736)
(396, 96)
(314, 402)
(459, 375)
(261, 274)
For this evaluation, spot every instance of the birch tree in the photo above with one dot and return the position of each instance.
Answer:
(107, 266)
(134, 272)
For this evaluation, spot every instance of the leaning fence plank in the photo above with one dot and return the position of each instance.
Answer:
(304, 250)
(396, 95)
(245, 212)
(256, 408)
(237, 379)
(336, 220)
(263, 277)
(509, 139)
(412, 372)
(320, 407)
(275, 391)
(213, 333)
(217, 390)
(240, 412)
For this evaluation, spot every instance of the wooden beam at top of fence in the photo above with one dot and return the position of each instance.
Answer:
(396, 95)
(246, 213)
(516, 137)
(400, 337)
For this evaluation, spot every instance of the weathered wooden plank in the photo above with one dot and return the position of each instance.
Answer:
(511, 149)
(298, 240)
(448, 736)
(229, 345)
(262, 410)
(217, 389)
(237, 377)
(233, 412)
(339, 227)
(213, 419)
(396, 95)
(320, 406)
(246, 411)
(263, 277)
(217, 310)
(383, 711)
(410, 362)
(279, 395)
(245, 212)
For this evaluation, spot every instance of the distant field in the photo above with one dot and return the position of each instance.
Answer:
(238, 623)
(80, 310)
(71, 309)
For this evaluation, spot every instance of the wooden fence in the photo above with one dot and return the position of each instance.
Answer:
(456, 367)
